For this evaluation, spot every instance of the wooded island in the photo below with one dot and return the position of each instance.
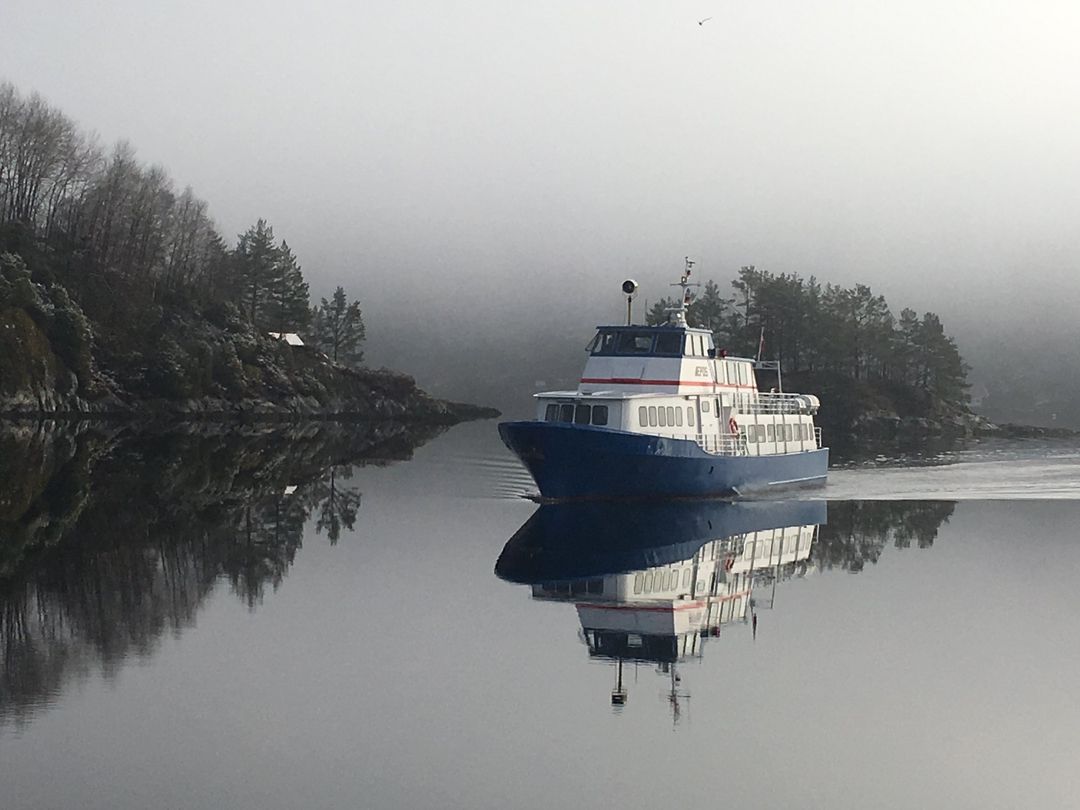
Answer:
(873, 372)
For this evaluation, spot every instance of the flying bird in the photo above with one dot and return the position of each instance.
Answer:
(702, 22)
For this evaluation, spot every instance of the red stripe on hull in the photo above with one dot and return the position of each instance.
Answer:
(635, 381)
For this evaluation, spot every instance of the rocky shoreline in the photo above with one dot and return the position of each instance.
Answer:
(1011, 430)
(188, 362)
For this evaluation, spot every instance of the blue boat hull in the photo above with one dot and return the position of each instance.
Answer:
(581, 461)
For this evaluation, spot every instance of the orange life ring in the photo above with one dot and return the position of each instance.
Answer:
(733, 426)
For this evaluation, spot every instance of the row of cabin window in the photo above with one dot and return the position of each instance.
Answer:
(733, 374)
(576, 587)
(650, 582)
(664, 416)
(778, 433)
(581, 415)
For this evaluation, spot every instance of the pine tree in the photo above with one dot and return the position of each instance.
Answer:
(257, 271)
(709, 309)
(339, 329)
(907, 351)
(944, 372)
(286, 305)
(660, 312)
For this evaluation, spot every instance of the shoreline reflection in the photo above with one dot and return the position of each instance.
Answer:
(109, 540)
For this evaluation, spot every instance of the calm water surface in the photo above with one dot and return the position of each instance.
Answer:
(316, 620)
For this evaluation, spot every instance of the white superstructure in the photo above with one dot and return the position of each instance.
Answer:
(672, 381)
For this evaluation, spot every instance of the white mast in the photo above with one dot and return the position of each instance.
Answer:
(684, 300)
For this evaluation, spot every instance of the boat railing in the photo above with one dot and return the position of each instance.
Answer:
(725, 445)
(730, 444)
(774, 403)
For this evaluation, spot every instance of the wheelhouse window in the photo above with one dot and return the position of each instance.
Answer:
(582, 414)
(690, 415)
(603, 343)
(669, 343)
(634, 343)
(566, 413)
(643, 416)
(599, 414)
(552, 412)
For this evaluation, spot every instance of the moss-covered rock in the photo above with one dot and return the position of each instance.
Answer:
(29, 369)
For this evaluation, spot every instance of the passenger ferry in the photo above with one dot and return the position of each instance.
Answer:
(661, 412)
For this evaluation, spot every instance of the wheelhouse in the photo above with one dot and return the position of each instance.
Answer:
(651, 341)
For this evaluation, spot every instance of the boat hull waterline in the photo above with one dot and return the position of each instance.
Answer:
(577, 540)
(570, 461)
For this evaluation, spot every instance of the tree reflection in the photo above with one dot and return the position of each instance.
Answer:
(858, 531)
(339, 504)
(109, 540)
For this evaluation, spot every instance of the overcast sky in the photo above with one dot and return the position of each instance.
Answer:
(420, 150)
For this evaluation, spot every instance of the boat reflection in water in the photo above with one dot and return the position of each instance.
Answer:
(652, 583)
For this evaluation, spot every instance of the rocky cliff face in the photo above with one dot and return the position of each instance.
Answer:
(32, 377)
